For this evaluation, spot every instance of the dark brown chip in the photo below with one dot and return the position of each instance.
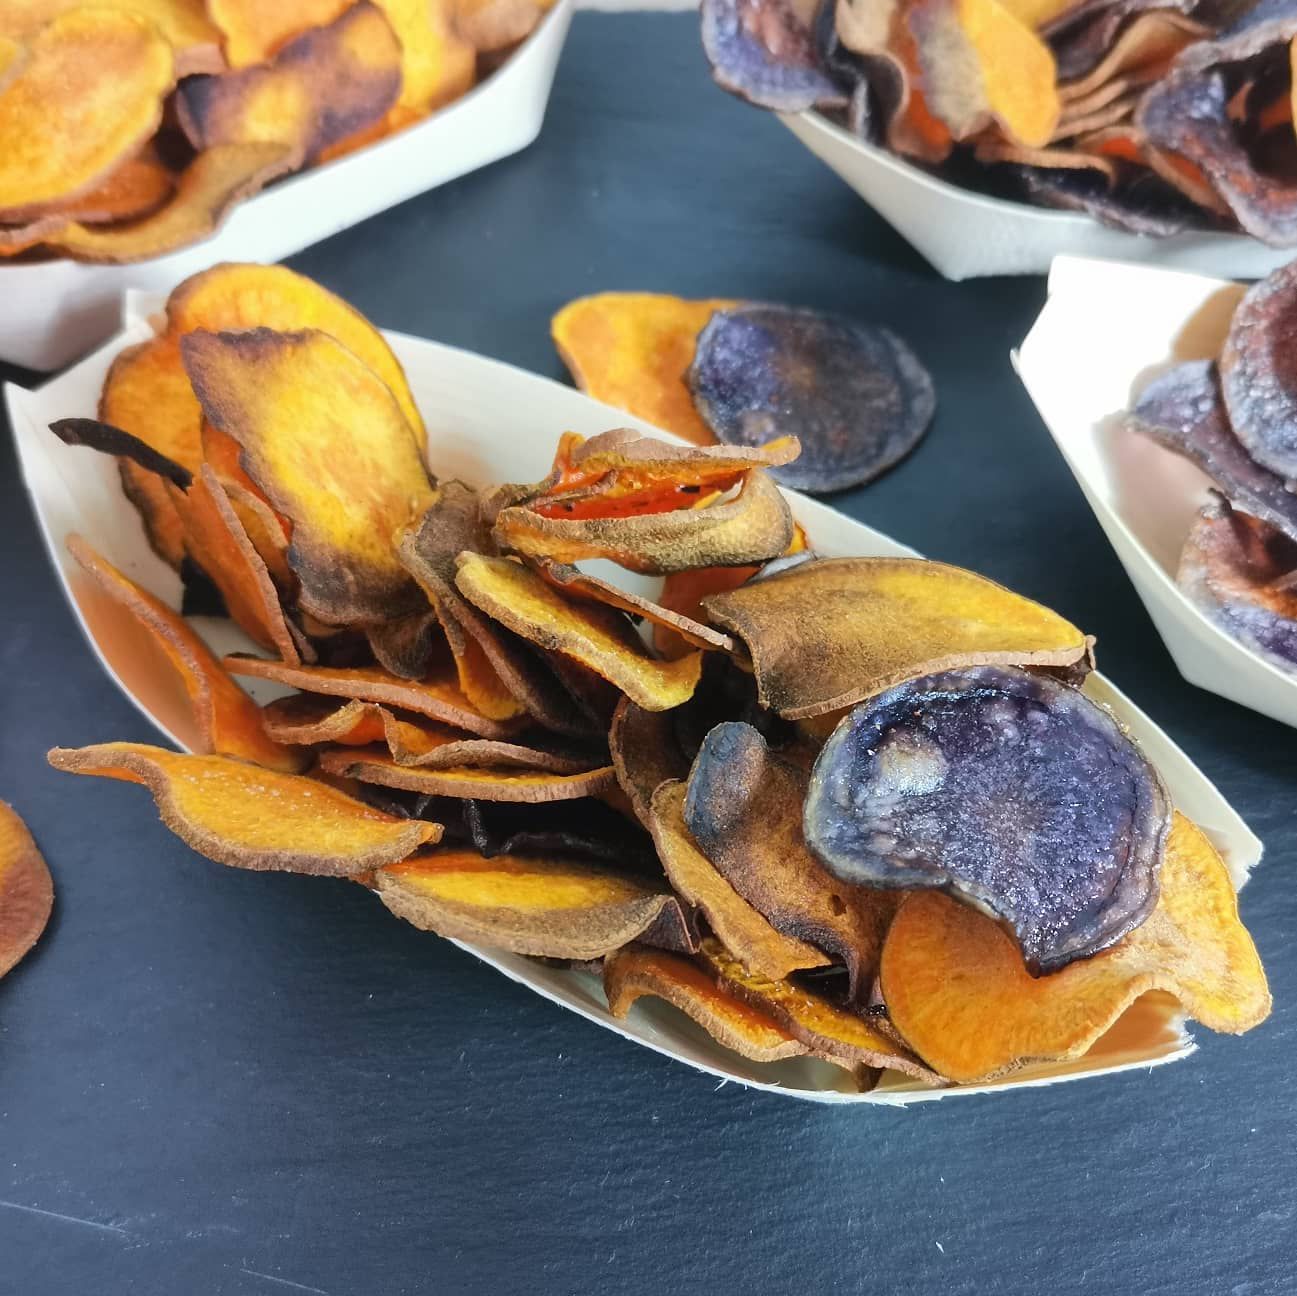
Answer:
(113, 441)
(645, 754)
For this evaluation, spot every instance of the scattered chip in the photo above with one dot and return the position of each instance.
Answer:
(855, 395)
(253, 818)
(1012, 791)
(958, 991)
(550, 907)
(879, 621)
(26, 890)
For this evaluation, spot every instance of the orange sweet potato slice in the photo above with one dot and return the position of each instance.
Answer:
(878, 621)
(758, 946)
(632, 350)
(491, 26)
(438, 697)
(438, 65)
(325, 440)
(253, 818)
(85, 96)
(832, 1033)
(306, 719)
(630, 974)
(26, 890)
(373, 765)
(321, 87)
(134, 188)
(252, 31)
(226, 719)
(550, 907)
(957, 989)
(596, 637)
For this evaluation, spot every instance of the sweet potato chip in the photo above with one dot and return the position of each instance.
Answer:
(832, 1033)
(1010, 790)
(751, 527)
(325, 440)
(437, 697)
(758, 946)
(744, 810)
(1140, 54)
(406, 646)
(306, 719)
(856, 397)
(491, 26)
(253, 818)
(1240, 572)
(26, 890)
(227, 719)
(111, 440)
(252, 31)
(550, 907)
(957, 989)
(135, 188)
(372, 765)
(596, 637)
(832, 631)
(629, 974)
(632, 350)
(645, 754)
(84, 97)
(438, 65)
(979, 64)
(321, 87)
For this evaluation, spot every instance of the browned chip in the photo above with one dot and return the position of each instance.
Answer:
(406, 646)
(134, 188)
(26, 890)
(645, 754)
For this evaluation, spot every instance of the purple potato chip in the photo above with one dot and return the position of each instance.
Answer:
(1009, 790)
(1142, 203)
(1269, 23)
(1184, 411)
(1243, 575)
(1083, 34)
(854, 394)
(765, 51)
(1258, 376)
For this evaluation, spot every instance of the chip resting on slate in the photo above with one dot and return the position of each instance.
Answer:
(1014, 792)
(26, 890)
(854, 394)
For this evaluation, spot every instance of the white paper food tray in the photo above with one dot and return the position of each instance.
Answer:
(966, 234)
(53, 311)
(1105, 332)
(489, 422)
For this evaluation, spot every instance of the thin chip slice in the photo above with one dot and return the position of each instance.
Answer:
(753, 526)
(1010, 790)
(645, 754)
(111, 440)
(438, 64)
(596, 637)
(1243, 575)
(316, 423)
(957, 989)
(832, 631)
(321, 87)
(855, 396)
(253, 31)
(630, 974)
(743, 808)
(437, 697)
(26, 890)
(253, 818)
(1183, 410)
(305, 719)
(226, 720)
(758, 946)
(1140, 203)
(1139, 54)
(632, 350)
(83, 99)
(134, 188)
(407, 645)
(546, 906)
(480, 783)
(832, 1033)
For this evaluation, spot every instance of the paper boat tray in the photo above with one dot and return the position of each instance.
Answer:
(488, 421)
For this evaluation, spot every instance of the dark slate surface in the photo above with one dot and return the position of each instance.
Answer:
(217, 1082)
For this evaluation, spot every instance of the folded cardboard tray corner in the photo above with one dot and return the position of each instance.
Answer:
(1105, 329)
(966, 235)
(491, 421)
(53, 311)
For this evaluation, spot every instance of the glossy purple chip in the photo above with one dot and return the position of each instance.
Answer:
(854, 394)
(1005, 788)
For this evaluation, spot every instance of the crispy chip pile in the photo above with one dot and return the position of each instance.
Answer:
(1153, 116)
(259, 89)
(482, 734)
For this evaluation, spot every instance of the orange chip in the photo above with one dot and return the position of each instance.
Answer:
(134, 188)
(745, 933)
(596, 637)
(225, 718)
(26, 890)
(958, 991)
(252, 30)
(253, 818)
(545, 906)
(630, 974)
(84, 98)
(306, 719)
(438, 64)
(632, 350)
